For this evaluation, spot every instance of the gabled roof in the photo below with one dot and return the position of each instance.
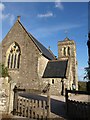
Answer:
(56, 69)
(41, 48)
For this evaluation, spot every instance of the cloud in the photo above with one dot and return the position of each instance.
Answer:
(55, 28)
(64, 26)
(81, 68)
(46, 15)
(7, 16)
(2, 7)
(12, 18)
(4, 16)
(59, 5)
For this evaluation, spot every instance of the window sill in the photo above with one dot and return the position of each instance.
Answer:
(13, 69)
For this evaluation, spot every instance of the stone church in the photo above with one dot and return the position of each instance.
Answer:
(33, 66)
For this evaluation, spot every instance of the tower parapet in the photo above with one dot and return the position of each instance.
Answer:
(66, 49)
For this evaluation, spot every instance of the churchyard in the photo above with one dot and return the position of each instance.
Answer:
(57, 108)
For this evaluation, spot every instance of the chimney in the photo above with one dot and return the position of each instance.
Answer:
(18, 18)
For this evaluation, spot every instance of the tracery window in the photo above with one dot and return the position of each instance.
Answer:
(13, 56)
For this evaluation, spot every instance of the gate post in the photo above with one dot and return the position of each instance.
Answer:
(48, 102)
(66, 100)
(15, 100)
(66, 95)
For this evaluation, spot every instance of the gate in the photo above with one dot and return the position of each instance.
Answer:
(77, 110)
(29, 107)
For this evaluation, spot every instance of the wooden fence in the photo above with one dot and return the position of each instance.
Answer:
(77, 110)
(31, 108)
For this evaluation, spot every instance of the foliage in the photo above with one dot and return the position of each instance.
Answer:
(87, 73)
(82, 86)
(3, 71)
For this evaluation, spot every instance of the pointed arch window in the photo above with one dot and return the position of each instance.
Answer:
(13, 56)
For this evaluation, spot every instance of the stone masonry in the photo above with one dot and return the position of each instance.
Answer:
(32, 62)
(71, 55)
(26, 76)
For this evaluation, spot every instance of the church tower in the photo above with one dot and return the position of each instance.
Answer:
(67, 51)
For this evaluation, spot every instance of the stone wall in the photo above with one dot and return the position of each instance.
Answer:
(71, 57)
(55, 85)
(42, 63)
(33, 63)
(26, 76)
(6, 95)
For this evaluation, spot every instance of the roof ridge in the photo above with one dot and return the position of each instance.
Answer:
(30, 35)
(52, 53)
(41, 47)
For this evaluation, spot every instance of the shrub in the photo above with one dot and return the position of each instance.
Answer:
(3, 71)
(82, 86)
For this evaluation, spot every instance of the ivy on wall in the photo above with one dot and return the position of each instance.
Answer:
(3, 71)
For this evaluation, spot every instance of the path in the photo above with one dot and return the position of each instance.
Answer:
(58, 103)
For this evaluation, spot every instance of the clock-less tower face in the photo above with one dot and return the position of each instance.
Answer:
(67, 50)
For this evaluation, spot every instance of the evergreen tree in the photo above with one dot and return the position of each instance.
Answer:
(87, 69)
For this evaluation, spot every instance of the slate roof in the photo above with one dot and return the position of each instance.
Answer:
(42, 49)
(56, 69)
